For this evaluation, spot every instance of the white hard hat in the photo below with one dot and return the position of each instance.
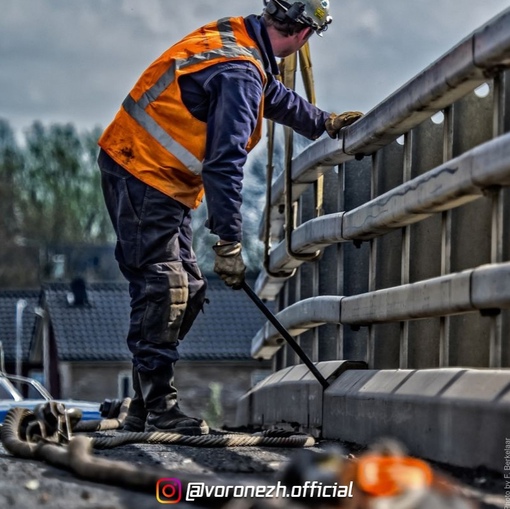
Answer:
(312, 13)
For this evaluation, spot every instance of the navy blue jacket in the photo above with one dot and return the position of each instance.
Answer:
(227, 97)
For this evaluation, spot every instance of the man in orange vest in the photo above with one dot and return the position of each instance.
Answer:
(185, 130)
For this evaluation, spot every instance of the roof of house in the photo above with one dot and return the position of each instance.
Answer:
(97, 330)
(8, 306)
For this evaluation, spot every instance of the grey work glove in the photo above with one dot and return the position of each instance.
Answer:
(336, 122)
(229, 264)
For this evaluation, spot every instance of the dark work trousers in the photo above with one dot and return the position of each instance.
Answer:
(155, 254)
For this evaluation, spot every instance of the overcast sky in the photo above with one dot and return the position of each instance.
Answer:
(75, 60)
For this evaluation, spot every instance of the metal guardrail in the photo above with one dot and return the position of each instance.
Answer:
(429, 219)
(484, 289)
(454, 183)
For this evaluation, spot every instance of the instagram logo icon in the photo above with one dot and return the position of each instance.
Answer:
(169, 491)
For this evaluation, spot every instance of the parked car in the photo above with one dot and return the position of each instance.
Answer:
(11, 397)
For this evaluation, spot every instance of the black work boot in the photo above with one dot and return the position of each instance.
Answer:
(135, 419)
(176, 421)
(164, 414)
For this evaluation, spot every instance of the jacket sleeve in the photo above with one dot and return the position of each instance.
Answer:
(286, 107)
(235, 92)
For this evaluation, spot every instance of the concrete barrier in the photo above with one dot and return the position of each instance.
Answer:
(456, 416)
(291, 396)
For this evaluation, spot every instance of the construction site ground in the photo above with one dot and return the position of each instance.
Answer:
(27, 484)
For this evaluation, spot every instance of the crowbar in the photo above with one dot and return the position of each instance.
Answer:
(285, 333)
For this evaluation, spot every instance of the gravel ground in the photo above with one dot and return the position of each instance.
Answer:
(26, 484)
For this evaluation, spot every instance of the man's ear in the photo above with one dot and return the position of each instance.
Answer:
(305, 34)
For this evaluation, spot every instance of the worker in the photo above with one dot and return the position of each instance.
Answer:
(183, 131)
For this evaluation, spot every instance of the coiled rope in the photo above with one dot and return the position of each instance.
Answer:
(19, 439)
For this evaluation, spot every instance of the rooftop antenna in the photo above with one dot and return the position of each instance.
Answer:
(2, 359)
(78, 294)
(21, 304)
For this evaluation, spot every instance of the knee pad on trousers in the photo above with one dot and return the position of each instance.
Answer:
(167, 296)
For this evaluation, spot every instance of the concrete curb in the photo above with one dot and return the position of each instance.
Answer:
(453, 415)
(290, 396)
(456, 416)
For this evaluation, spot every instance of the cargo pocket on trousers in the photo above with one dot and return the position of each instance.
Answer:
(167, 295)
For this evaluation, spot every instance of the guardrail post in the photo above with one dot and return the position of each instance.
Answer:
(309, 275)
(504, 127)
(469, 334)
(356, 191)
(499, 356)
(292, 295)
(330, 271)
(280, 360)
(385, 260)
(425, 247)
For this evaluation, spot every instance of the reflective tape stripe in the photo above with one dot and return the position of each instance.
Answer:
(224, 52)
(230, 49)
(157, 132)
(226, 33)
(159, 87)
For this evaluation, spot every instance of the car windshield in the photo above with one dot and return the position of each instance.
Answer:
(8, 391)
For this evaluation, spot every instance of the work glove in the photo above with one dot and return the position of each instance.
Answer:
(336, 122)
(229, 264)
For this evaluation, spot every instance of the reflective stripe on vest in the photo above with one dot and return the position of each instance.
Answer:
(136, 109)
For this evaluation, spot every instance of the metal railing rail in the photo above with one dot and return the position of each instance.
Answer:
(297, 318)
(430, 219)
(452, 184)
(484, 289)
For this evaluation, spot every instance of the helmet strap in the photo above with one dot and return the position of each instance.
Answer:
(284, 12)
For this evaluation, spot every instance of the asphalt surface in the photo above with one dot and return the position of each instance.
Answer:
(27, 484)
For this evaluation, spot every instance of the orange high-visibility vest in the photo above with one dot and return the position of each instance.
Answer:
(153, 135)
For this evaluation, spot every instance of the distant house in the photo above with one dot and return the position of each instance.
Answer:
(82, 336)
(84, 331)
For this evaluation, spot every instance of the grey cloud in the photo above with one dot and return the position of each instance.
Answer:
(75, 60)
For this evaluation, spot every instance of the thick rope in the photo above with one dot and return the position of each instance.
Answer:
(228, 440)
(98, 425)
(268, 438)
(76, 456)
(13, 437)
(105, 424)
(15, 441)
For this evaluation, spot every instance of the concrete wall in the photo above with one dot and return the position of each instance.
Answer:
(194, 381)
(91, 381)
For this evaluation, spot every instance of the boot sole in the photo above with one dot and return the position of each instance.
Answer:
(184, 430)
